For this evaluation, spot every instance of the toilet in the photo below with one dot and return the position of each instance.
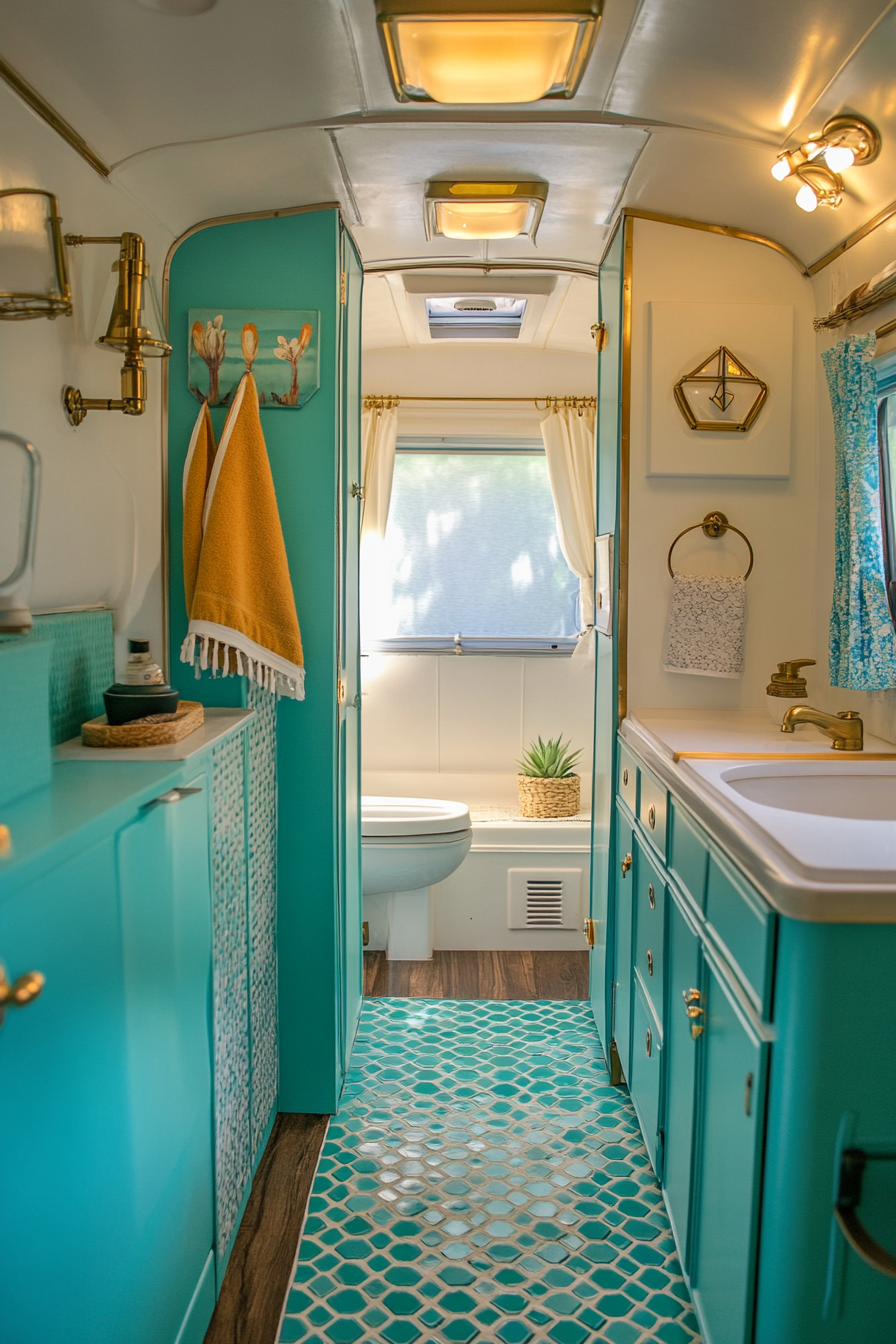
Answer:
(407, 844)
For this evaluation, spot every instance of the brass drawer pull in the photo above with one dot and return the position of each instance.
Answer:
(21, 992)
(849, 1195)
(649, 962)
(626, 864)
(649, 1043)
(651, 896)
(651, 817)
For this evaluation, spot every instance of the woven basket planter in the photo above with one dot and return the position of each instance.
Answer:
(548, 797)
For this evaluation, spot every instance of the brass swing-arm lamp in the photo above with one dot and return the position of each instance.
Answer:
(124, 332)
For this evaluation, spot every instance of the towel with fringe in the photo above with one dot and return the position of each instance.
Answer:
(236, 578)
(705, 635)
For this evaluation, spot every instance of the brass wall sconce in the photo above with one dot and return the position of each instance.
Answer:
(483, 209)
(844, 142)
(720, 382)
(494, 51)
(33, 276)
(125, 332)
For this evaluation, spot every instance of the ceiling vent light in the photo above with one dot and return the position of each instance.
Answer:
(845, 142)
(483, 209)
(503, 51)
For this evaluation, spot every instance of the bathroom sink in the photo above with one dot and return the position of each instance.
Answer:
(833, 792)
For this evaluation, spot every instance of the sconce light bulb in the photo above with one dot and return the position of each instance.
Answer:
(781, 168)
(839, 157)
(806, 198)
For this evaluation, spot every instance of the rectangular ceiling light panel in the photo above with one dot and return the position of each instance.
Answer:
(483, 209)
(504, 51)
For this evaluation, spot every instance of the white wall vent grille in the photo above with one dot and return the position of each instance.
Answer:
(544, 898)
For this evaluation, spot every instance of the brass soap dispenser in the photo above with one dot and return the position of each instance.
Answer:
(785, 687)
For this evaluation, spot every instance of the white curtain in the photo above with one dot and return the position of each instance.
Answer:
(379, 432)
(569, 444)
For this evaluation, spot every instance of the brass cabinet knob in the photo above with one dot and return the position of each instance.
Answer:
(649, 1043)
(20, 992)
(651, 817)
(625, 775)
(649, 962)
(693, 1006)
(590, 931)
(651, 896)
(626, 864)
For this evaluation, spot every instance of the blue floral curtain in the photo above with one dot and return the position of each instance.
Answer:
(863, 644)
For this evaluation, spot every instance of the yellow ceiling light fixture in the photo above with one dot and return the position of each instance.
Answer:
(843, 142)
(127, 331)
(502, 51)
(483, 209)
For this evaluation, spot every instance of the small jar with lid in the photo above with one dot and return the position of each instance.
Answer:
(786, 688)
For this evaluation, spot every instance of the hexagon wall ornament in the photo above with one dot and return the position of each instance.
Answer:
(720, 394)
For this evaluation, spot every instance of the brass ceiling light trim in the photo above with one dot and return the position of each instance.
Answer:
(726, 230)
(499, 51)
(39, 104)
(460, 210)
(845, 141)
(124, 332)
(728, 378)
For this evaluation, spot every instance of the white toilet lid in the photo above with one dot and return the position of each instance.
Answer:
(412, 816)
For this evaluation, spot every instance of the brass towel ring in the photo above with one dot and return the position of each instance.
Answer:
(715, 525)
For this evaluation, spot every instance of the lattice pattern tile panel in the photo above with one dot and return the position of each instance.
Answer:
(484, 1184)
(82, 666)
(233, 1160)
(262, 857)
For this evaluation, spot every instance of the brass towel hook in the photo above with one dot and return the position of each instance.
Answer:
(714, 525)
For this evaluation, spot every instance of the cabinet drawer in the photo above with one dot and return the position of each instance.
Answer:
(652, 810)
(688, 854)
(650, 906)
(743, 925)
(628, 780)
(644, 1069)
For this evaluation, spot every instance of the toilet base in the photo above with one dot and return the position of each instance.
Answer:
(410, 925)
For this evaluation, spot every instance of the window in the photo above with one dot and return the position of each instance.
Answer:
(471, 558)
(886, 436)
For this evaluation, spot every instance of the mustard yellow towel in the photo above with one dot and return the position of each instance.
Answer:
(197, 470)
(243, 613)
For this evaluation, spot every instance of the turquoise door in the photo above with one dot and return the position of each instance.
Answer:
(623, 914)
(106, 1086)
(682, 976)
(609, 404)
(349, 649)
(726, 1198)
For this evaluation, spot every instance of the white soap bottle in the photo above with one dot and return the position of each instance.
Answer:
(786, 688)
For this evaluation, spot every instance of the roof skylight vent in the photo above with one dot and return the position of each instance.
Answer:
(474, 317)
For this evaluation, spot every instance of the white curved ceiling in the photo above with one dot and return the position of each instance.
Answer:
(272, 103)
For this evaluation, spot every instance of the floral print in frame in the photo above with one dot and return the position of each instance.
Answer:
(281, 347)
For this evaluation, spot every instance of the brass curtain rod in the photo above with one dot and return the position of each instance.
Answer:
(387, 402)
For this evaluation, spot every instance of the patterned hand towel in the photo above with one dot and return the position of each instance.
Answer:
(705, 635)
(242, 609)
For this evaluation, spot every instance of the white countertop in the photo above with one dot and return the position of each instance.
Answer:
(811, 867)
(218, 723)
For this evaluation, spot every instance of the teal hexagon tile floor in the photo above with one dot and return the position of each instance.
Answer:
(483, 1183)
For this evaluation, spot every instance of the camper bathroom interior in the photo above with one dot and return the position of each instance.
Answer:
(447, 672)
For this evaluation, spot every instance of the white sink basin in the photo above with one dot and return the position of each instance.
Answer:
(827, 792)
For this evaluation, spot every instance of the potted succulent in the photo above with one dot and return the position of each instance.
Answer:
(548, 785)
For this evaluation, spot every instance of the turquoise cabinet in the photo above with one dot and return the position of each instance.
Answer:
(757, 1049)
(105, 1127)
(727, 1156)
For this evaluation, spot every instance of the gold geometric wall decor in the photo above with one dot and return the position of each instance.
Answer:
(720, 394)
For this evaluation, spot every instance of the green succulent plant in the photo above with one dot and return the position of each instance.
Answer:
(549, 760)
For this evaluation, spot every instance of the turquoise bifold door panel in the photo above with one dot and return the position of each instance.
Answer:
(105, 1127)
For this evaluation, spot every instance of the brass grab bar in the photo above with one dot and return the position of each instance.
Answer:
(714, 525)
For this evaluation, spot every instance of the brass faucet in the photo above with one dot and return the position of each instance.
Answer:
(844, 729)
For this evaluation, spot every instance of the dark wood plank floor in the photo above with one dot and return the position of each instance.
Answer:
(479, 975)
(260, 1267)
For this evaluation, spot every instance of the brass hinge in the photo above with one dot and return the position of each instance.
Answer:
(590, 931)
(342, 288)
(341, 690)
(600, 336)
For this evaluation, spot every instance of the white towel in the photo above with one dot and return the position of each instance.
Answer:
(706, 625)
